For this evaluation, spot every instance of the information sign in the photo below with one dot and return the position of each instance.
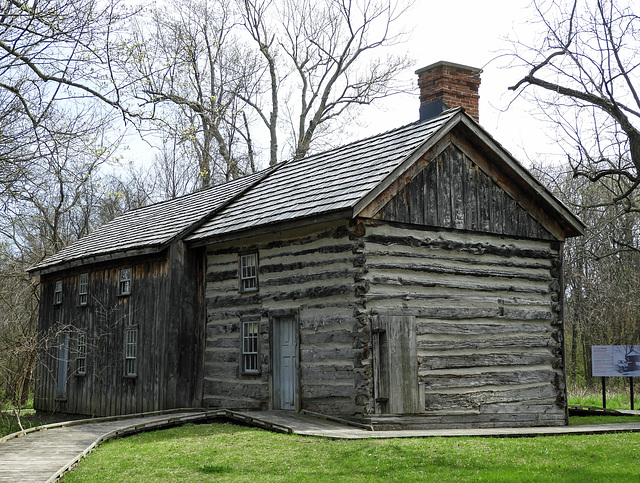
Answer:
(615, 360)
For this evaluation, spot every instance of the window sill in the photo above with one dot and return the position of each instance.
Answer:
(251, 373)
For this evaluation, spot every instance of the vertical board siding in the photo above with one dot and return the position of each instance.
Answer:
(105, 390)
(310, 274)
(488, 327)
(453, 192)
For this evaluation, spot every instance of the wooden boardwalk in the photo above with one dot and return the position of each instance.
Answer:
(46, 454)
(312, 425)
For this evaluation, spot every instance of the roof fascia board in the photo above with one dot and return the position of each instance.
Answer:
(93, 260)
(366, 200)
(343, 214)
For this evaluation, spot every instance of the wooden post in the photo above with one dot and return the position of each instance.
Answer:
(631, 391)
(604, 393)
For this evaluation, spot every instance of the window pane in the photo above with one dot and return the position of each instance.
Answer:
(130, 349)
(57, 294)
(81, 350)
(248, 272)
(250, 346)
(125, 281)
(83, 289)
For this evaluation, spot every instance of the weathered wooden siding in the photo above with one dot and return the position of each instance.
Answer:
(452, 191)
(169, 340)
(310, 273)
(487, 311)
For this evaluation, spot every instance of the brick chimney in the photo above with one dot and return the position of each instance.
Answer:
(445, 85)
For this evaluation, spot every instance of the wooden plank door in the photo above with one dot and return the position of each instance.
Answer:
(63, 365)
(396, 365)
(285, 363)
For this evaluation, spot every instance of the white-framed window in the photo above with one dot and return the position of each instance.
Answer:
(81, 353)
(250, 343)
(83, 289)
(124, 282)
(248, 272)
(57, 293)
(130, 351)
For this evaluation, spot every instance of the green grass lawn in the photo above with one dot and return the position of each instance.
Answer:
(225, 452)
(582, 420)
(616, 400)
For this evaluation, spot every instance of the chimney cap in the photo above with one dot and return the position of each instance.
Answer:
(444, 63)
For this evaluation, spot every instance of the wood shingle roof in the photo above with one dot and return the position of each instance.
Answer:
(331, 181)
(150, 227)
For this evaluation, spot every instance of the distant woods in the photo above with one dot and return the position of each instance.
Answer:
(602, 272)
(583, 76)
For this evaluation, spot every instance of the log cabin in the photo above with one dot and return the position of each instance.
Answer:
(412, 279)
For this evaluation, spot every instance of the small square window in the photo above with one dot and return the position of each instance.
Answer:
(83, 289)
(57, 293)
(124, 282)
(249, 272)
(250, 341)
(81, 354)
(130, 351)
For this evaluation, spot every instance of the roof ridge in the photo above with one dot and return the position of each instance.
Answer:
(448, 112)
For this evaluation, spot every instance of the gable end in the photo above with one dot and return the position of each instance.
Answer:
(453, 192)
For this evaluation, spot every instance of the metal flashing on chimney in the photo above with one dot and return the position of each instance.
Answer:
(432, 109)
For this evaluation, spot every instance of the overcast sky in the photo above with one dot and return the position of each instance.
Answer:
(469, 32)
(474, 32)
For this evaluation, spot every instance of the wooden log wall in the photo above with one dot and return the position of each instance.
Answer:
(488, 321)
(307, 272)
(167, 340)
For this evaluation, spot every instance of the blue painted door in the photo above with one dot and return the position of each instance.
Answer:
(285, 350)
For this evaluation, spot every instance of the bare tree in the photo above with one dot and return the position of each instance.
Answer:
(175, 175)
(231, 67)
(584, 75)
(324, 56)
(57, 50)
(18, 335)
(193, 63)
